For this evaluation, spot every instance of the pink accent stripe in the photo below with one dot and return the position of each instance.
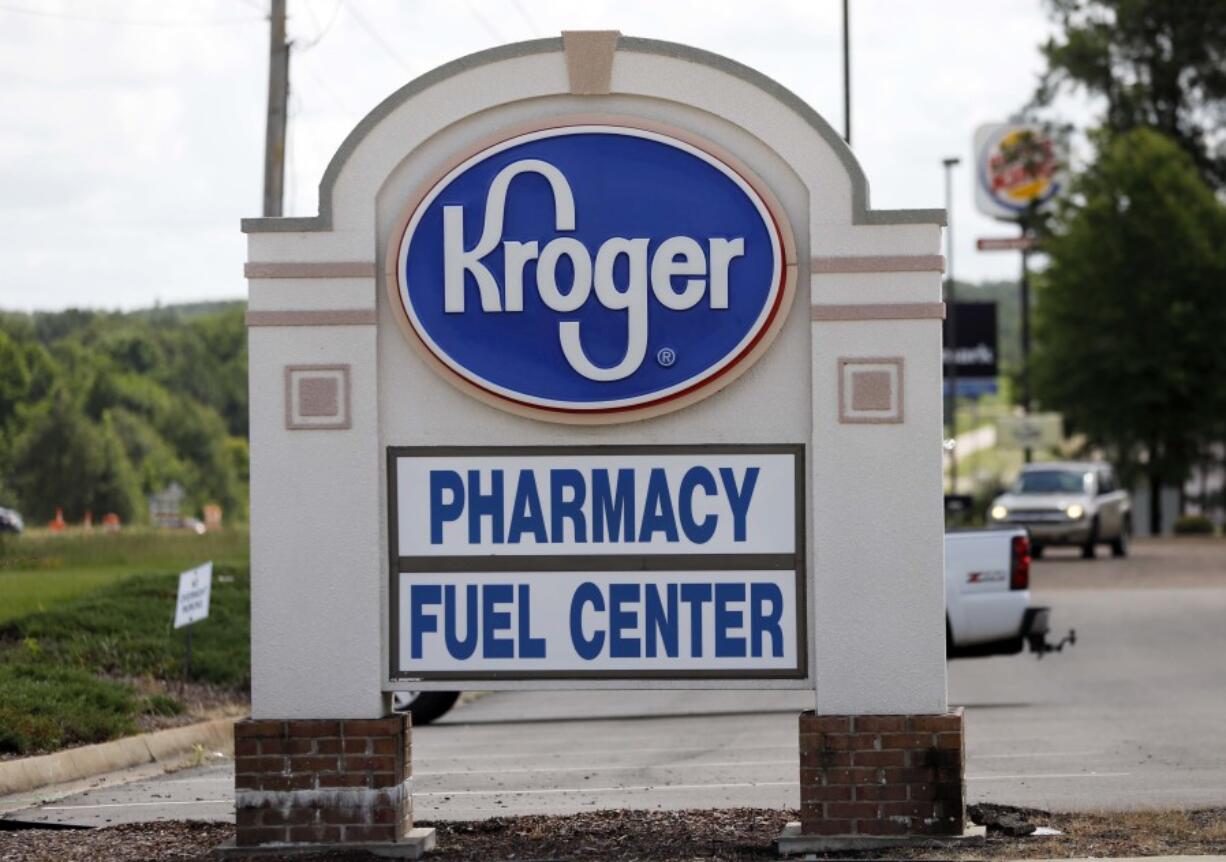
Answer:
(337, 317)
(331, 269)
(880, 311)
(879, 263)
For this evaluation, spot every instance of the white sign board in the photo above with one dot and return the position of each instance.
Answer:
(194, 588)
(1029, 432)
(567, 562)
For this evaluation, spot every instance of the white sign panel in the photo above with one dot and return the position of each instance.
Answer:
(1029, 432)
(596, 504)
(194, 588)
(625, 562)
(594, 623)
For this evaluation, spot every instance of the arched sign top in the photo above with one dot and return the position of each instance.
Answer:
(594, 270)
(861, 210)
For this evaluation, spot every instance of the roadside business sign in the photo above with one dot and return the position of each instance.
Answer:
(591, 341)
(192, 604)
(621, 562)
(975, 351)
(1033, 431)
(1017, 166)
(1005, 243)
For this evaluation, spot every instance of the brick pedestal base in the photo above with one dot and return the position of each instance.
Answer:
(882, 775)
(322, 781)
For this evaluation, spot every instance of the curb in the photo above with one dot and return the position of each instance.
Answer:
(73, 764)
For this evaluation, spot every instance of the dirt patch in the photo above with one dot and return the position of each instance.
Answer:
(730, 835)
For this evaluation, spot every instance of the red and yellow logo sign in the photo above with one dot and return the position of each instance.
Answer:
(1019, 167)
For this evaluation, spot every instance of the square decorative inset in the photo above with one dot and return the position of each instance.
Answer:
(870, 390)
(316, 397)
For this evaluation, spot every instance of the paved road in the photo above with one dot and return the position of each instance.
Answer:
(1133, 716)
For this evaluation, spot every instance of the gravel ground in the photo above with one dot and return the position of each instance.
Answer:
(729, 835)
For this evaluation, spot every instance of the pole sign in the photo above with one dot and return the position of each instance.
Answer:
(193, 600)
(1018, 167)
(975, 352)
(590, 270)
(628, 561)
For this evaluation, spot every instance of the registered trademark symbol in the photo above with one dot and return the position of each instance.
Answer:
(666, 356)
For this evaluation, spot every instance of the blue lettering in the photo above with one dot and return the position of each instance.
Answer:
(613, 508)
(461, 649)
(561, 509)
(421, 622)
(621, 619)
(526, 514)
(658, 509)
(761, 622)
(660, 622)
(485, 506)
(493, 621)
(696, 595)
(440, 510)
(738, 498)
(529, 647)
(725, 646)
(587, 593)
(696, 477)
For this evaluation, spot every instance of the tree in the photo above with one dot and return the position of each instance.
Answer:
(63, 460)
(1132, 309)
(1157, 63)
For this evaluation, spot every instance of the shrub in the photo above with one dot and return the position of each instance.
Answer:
(1193, 525)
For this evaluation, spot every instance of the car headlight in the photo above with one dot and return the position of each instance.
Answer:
(1074, 511)
(999, 513)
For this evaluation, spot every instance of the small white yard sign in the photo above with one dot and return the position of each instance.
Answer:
(194, 587)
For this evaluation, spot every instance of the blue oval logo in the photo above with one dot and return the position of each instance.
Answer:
(592, 269)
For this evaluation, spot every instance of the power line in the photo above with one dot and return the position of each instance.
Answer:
(128, 22)
(523, 13)
(379, 40)
(483, 21)
(319, 36)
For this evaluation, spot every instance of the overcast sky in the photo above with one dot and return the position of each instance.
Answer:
(132, 133)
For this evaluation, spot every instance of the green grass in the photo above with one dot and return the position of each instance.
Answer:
(58, 667)
(40, 569)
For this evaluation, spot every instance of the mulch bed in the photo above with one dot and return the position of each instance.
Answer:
(728, 835)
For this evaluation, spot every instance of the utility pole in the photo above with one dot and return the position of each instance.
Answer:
(846, 74)
(951, 324)
(278, 99)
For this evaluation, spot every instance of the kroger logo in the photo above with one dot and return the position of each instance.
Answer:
(591, 269)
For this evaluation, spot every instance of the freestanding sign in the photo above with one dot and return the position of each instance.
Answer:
(1018, 166)
(595, 370)
(192, 604)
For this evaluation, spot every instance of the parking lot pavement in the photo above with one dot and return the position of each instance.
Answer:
(1132, 716)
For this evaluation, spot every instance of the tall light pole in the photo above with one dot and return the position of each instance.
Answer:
(951, 324)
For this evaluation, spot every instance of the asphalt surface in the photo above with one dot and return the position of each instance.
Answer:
(1133, 716)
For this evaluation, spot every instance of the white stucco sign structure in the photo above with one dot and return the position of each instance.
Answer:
(595, 369)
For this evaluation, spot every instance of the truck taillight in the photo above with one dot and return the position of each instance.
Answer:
(1019, 572)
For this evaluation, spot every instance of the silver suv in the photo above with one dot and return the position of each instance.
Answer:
(1067, 503)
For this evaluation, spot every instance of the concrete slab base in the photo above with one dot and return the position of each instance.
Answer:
(415, 844)
(792, 843)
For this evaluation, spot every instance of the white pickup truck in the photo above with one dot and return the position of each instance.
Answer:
(987, 609)
(987, 596)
